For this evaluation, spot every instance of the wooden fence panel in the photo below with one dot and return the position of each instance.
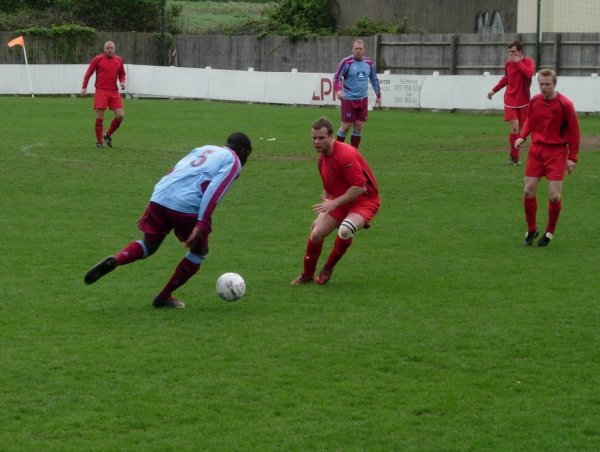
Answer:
(573, 54)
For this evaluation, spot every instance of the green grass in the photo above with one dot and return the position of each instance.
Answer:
(211, 16)
(438, 331)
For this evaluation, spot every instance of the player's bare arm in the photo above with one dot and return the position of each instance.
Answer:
(327, 205)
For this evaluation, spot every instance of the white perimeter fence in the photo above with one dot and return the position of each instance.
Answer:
(443, 92)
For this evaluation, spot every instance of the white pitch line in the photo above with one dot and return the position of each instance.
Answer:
(29, 152)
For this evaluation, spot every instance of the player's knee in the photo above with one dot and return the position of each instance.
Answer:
(529, 191)
(346, 230)
(316, 236)
(555, 198)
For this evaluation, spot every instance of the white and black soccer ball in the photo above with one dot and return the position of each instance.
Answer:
(231, 286)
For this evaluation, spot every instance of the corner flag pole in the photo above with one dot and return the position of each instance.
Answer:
(28, 73)
(19, 41)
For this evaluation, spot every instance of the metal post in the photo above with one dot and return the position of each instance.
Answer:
(162, 32)
(454, 54)
(377, 51)
(538, 43)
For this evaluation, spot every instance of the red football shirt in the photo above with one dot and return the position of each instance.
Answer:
(553, 122)
(345, 167)
(108, 71)
(517, 79)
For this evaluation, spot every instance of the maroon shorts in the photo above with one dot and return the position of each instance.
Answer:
(107, 98)
(548, 161)
(160, 220)
(355, 110)
(366, 207)
(520, 114)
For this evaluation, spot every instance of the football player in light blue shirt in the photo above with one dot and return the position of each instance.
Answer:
(183, 201)
(351, 84)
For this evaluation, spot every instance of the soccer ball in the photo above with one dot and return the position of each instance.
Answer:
(231, 286)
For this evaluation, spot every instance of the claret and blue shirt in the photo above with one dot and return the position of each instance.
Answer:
(198, 181)
(352, 77)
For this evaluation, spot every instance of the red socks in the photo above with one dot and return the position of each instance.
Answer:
(530, 213)
(314, 249)
(311, 257)
(553, 214)
(184, 271)
(114, 125)
(99, 127)
(355, 140)
(340, 247)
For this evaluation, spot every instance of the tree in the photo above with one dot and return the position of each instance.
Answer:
(306, 18)
(104, 15)
(297, 18)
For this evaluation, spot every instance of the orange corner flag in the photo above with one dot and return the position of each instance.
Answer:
(19, 41)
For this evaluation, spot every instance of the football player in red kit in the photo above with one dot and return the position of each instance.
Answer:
(350, 201)
(518, 72)
(109, 69)
(554, 129)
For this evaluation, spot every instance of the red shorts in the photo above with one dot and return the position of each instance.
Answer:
(548, 161)
(520, 114)
(160, 220)
(365, 206)
(107, 98)
(355, 110)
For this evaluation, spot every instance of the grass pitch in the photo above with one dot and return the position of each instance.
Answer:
(438, 330)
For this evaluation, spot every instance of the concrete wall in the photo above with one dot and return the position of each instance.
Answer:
(558, 16)
(432, 16)
(464, 16)
(466, 92)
